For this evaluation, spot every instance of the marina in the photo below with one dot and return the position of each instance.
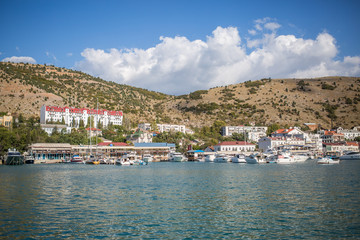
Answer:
(188, 200)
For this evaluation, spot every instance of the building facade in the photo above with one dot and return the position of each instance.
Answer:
(253, 133)
(163, 127)
(50, 128)
(6, 121)
(349, 134)
(234, 147)
(72, 117)
(267, 143)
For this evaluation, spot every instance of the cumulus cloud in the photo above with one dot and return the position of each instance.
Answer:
(19, 59)
(178, 66)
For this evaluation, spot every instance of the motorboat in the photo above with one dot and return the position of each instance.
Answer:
(14, 157)
(351, 156)
(147, 157)
(255, 159)
(210, 158)
(92, 160)
(127, 159)
(285, 157)
(300, 157)
(328, 160)
(238, 158)
(222, 158)
(76, 159)
(177, 157)
(29, 159)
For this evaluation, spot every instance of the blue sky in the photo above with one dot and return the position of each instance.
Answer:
(181, 46)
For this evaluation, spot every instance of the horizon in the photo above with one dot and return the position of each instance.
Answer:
(180, 47)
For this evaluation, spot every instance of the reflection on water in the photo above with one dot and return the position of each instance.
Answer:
(180, 200)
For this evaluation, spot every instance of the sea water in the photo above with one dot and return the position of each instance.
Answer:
(180, 200)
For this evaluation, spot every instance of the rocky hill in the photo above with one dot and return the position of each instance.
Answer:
(26, 87)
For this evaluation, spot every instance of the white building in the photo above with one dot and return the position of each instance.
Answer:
(49, 128)
(266, 143)
(163, 127)
(234, 146)
(253, 133)
(349, 134)
(72, 116)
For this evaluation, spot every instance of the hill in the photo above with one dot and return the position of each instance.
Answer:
(26, 87)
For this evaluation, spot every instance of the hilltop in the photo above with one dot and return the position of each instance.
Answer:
(26, 87)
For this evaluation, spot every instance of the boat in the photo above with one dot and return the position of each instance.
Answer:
(328, 160)
(92, 160)
(255, 158)
(127, 159)
(285, 157)
(29, 159)
(14, 157)
(351, 156)
(76, 159)
(301, 157)
(209, 158)
(177, 157)
(238, 158)
(222, 158)
(147, 157)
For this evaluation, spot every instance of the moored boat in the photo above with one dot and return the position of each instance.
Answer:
(328, 160)
(76, 159)
(148, 158)
(221, 158)
(351, 156)
(285, 157)
(14, 157)
(177, 157)
(238, 158)
(210, 158)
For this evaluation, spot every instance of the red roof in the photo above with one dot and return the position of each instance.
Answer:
(115, 144)
(333, 133)
(234, 143)
(355, 144)
(80, 110)
(283, 130)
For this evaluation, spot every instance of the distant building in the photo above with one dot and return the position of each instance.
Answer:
(163, 127)
(140, 137)
(331, 136)
(234, 146)
(253, 133)
(312, 126)
(6, 121)
(266, 143)
(50, 128)
(340, 148)
(94, 131)
(72, 117)
(349, 134)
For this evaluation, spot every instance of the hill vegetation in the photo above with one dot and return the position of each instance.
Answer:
(329, 100)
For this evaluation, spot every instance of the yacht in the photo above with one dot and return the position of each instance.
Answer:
(76, 159)
(147, 157)
(301, 157)
(222, 158)
(328, 160)
(255, 159)
(209, 158)
(285, 157)
(14, 157)
(29, 159)
(177, 157)
(351, 156)
(238, 158)
(127, 159)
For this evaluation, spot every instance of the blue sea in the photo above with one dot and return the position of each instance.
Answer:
(189, 200)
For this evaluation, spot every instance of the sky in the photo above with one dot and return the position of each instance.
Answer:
(180, 46)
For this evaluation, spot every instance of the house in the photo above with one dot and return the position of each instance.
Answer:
(331, 136)
(340, 148)
(6, 121)
(50, 128)
(94, 131)
(140, 137)
(312, 126)
(163, 127)
(291, 132)
(349, 134)
(266, 143)
(234, 146)
(253, 133)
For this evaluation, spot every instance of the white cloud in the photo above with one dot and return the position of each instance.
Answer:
(69, 54)
(19, 59)
(178, 65)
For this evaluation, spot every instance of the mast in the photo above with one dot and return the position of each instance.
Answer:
(97, 121)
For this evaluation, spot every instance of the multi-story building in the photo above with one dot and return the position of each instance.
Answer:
(252, 133)
(234, 147)
(349, 134)
(72, 117)
(50, 128)
(266, 143)
(331, 136)
(340, 148)
(6, 121)
(163, 127)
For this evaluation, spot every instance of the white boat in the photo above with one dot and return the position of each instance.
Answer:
(238, 158)
(127, 159)
(222, 158)
(301, 157)
(255, 158)
(147, 157)
(285, 157)
(177, 157)
(328, 160)
(76, 159)
(210, 158)
(351, 156)
(14, 157)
